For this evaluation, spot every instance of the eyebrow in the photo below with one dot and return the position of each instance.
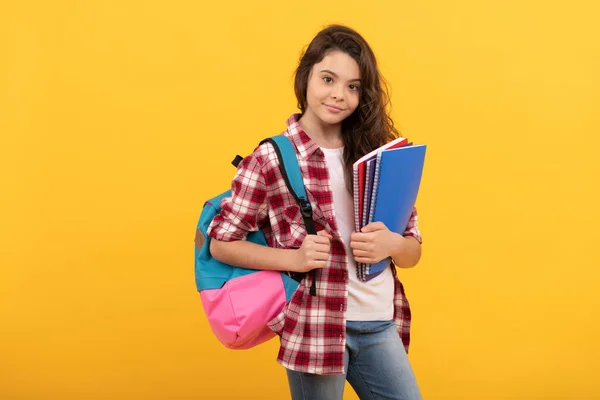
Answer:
(334, 74)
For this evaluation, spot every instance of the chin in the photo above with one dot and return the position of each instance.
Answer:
(330, 119)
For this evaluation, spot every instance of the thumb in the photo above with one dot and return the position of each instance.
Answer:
(324, 233)
(372, 227)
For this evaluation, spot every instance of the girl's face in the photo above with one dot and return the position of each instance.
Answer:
(333, 89)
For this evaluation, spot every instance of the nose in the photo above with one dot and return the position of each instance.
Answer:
(337, 93)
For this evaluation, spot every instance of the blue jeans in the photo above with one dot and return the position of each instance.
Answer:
(376, 366)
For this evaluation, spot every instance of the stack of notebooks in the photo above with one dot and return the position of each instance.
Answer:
(386, 183)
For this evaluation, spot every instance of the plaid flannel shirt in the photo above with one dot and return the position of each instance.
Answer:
(312, 328)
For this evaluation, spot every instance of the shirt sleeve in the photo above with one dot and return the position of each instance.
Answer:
(246, 209)
(412, 229)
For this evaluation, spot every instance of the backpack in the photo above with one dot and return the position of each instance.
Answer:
(239, 302)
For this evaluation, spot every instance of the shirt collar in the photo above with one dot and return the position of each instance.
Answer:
(305, 145)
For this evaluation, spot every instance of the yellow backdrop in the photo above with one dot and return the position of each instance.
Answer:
(118, 118)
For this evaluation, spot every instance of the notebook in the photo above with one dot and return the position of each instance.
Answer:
(396, 184)
(366, 201)
(368, 190)
(359, 178)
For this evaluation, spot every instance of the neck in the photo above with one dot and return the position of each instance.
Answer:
(325, 135)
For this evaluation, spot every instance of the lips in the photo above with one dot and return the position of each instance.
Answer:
(333, 108)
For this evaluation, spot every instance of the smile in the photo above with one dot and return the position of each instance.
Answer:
(333, 108)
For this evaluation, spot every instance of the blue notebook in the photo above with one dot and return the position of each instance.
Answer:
(397, 179)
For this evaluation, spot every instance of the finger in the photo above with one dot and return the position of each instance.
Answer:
(361, 253)
(317, 264)
(373, 226)
(364, 260)
(314, 240)
(321, 239)
(324, 233)
(317, 254)
(360, 237)
(322, 248)
(361, 246)
(320, 257)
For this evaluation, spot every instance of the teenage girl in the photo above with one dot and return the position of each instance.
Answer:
(346, 329)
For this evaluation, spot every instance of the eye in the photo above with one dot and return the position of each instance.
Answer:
(355, 88)
(327, 79)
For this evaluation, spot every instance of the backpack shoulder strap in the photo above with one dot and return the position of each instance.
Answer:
(290, 170)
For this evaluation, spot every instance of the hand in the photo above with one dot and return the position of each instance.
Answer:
(313, 253)
(374, 243)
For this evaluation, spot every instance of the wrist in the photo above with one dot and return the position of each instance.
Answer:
(409, 252)
(294, 264)
(397, 245)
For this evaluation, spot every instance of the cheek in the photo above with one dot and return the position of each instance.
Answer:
(315, 91)
(353, 101)
(310, 92)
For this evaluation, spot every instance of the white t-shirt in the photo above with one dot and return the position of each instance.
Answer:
(367, 301)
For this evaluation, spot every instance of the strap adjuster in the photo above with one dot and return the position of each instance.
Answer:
(306, 209)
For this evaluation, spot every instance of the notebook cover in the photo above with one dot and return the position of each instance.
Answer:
(397, 180)
(359, 177)
(355, 198)
(370, 167)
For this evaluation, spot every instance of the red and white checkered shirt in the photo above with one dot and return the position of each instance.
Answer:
(312, 328)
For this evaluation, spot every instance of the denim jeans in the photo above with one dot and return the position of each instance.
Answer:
(376, 366)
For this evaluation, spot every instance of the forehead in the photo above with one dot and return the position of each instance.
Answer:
(339, 63)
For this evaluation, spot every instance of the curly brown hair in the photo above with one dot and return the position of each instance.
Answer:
(370, 126)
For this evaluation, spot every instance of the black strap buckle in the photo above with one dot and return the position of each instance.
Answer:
(306, 209)
(297, 276)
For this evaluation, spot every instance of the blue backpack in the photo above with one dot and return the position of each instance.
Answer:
(239, 302)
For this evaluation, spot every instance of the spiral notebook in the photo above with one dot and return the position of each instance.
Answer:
(359, 172)
(397, 179)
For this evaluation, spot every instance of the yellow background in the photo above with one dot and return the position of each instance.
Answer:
(118, 118)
